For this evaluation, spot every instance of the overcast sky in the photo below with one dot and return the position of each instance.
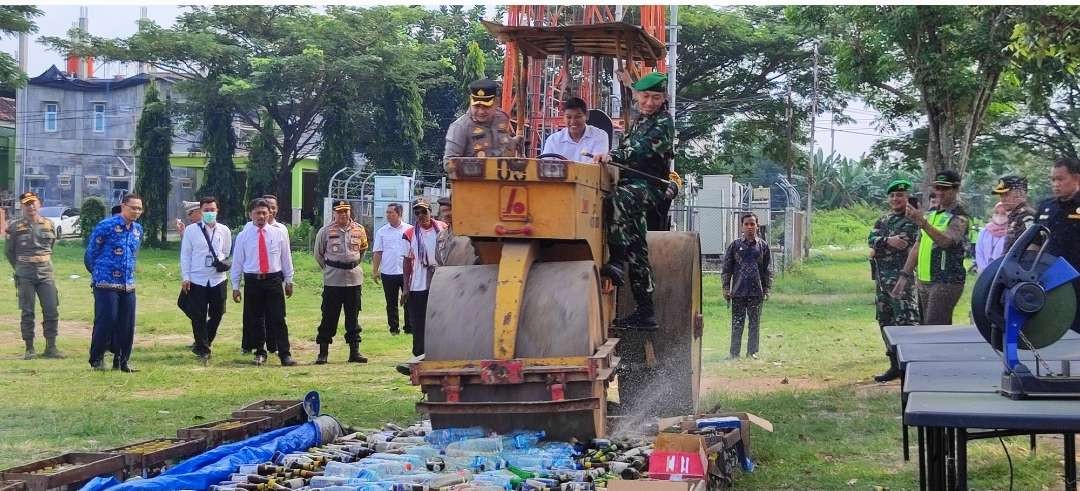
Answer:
(117, 21)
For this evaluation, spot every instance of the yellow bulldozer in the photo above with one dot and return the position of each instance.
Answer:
(522, 338)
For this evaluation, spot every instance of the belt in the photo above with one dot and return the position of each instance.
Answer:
(341, 265)
(263, 276)
(44, 258)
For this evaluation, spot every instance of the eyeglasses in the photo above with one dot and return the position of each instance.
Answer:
(420, 211)
(136, 208)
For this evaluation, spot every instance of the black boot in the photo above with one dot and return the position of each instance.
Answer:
(30, 354)
(404, 369)
(642, 319)
(324, 349)
(287, 361)
(892, 373)
(50, 349)
(354, 354)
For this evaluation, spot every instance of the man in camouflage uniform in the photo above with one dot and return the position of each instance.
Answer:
(28, 248)
(1012, 192)
(939, 252)
(891, 239)
(646, 148)
(484, 130)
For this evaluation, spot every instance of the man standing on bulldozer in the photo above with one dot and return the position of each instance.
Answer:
(643, 154)
(484, 130)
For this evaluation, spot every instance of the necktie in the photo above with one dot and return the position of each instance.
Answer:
(264, 257)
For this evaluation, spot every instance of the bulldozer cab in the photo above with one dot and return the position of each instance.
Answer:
(521, 338)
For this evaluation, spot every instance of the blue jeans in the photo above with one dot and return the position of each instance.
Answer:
(114, 325)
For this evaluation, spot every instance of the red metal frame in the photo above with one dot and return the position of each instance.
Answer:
(543, 100)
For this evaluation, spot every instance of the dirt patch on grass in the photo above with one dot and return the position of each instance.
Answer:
(67, 328)
(759, 384)
(157, 394)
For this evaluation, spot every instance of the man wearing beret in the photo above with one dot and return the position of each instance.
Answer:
(28, 248)
(890, 241)
(339, 247)
(484, 130)
(939, 252)
(1012, 191)
(646, 148)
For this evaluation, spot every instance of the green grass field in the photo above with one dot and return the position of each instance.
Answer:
(835, 429)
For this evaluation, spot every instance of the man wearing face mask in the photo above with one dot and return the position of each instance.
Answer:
(1012, 192)
(203, 252)
(991, 242)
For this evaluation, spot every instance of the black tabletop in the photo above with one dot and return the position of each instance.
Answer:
(953, 376)
(992, 411)
(1066, 349)
(940, 334)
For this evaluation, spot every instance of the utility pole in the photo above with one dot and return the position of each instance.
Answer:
(789, 113)
(810, 164)
(143, 66)
(673, 57)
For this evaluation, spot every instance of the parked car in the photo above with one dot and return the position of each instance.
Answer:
(65, 219)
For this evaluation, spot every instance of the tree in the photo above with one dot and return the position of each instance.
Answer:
(153, 144)
(91, 212)
(262, 170)
(473, 68)
(940, 62)
(219, 142)
(337, 149)
(15, 19)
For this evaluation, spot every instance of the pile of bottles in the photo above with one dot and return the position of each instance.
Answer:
(418, 458)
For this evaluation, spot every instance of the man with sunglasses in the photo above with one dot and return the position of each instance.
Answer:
(419, 266)
(937, 259)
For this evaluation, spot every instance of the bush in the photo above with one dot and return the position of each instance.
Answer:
(92, 211)
(301, 235)
(843, 227)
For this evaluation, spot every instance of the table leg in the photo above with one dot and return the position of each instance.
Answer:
(922, 457)
(1070, 461)
(961, 459)
(904, 427)
(1033, 444)
(950, 458)
(935, 458)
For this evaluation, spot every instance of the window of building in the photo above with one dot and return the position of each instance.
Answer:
(99, 117)
(91, 180)
(185, 183)
(65, 181)
(52, 112)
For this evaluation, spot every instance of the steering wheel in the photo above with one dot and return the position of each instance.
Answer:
(552, 155)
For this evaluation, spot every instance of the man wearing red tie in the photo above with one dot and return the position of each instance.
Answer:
(263, 258)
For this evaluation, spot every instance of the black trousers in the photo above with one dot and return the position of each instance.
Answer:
(334, 299)
(748, 310)
(265, 298)
(206, 306)
(416, 309)
(114, 325)
(393, 285)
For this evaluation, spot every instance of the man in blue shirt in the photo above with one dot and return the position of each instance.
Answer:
(110, 259)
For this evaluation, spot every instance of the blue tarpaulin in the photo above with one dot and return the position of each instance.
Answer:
(215, 465)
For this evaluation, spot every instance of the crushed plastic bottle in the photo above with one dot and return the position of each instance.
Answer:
(442, 437)
(474, 446)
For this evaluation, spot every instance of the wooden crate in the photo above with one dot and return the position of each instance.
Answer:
(215, 434)
(281, 412)
(140, 461)
(78, 467)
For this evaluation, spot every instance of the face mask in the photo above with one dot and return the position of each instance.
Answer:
(999, 219)
(209, 217)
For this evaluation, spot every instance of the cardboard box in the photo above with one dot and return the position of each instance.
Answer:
(678, 456)
(747, 419)
(655, 485)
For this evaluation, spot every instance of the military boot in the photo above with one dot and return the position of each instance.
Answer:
(51, 351)
(643, 318)
(892, 373)
(30, 353)
(324, 352)
(354, 354)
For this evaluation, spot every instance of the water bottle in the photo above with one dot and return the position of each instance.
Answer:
(522, 439)
(443, 437)
(445, 480)
(474, 446)
(423, 451)
(417, 461)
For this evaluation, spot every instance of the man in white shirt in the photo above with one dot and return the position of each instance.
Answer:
(390, 246)
(271, 344)
(419, 266)
(263, 258)
(579, 142)
(203, 248)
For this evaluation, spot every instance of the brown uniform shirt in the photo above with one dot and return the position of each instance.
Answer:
(341, 246)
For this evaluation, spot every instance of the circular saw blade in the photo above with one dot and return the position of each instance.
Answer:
(1041, 330)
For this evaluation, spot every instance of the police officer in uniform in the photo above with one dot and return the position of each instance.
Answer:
(646, 148)
(1012, 191)
(891, 240)
(939, 252)
(484, 130)
(1061, 214)
(339, 247)
(29, 251)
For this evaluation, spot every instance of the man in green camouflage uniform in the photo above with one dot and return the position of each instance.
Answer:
(28, 249)
(890, 241)
(646, 148)
(1012, 191)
